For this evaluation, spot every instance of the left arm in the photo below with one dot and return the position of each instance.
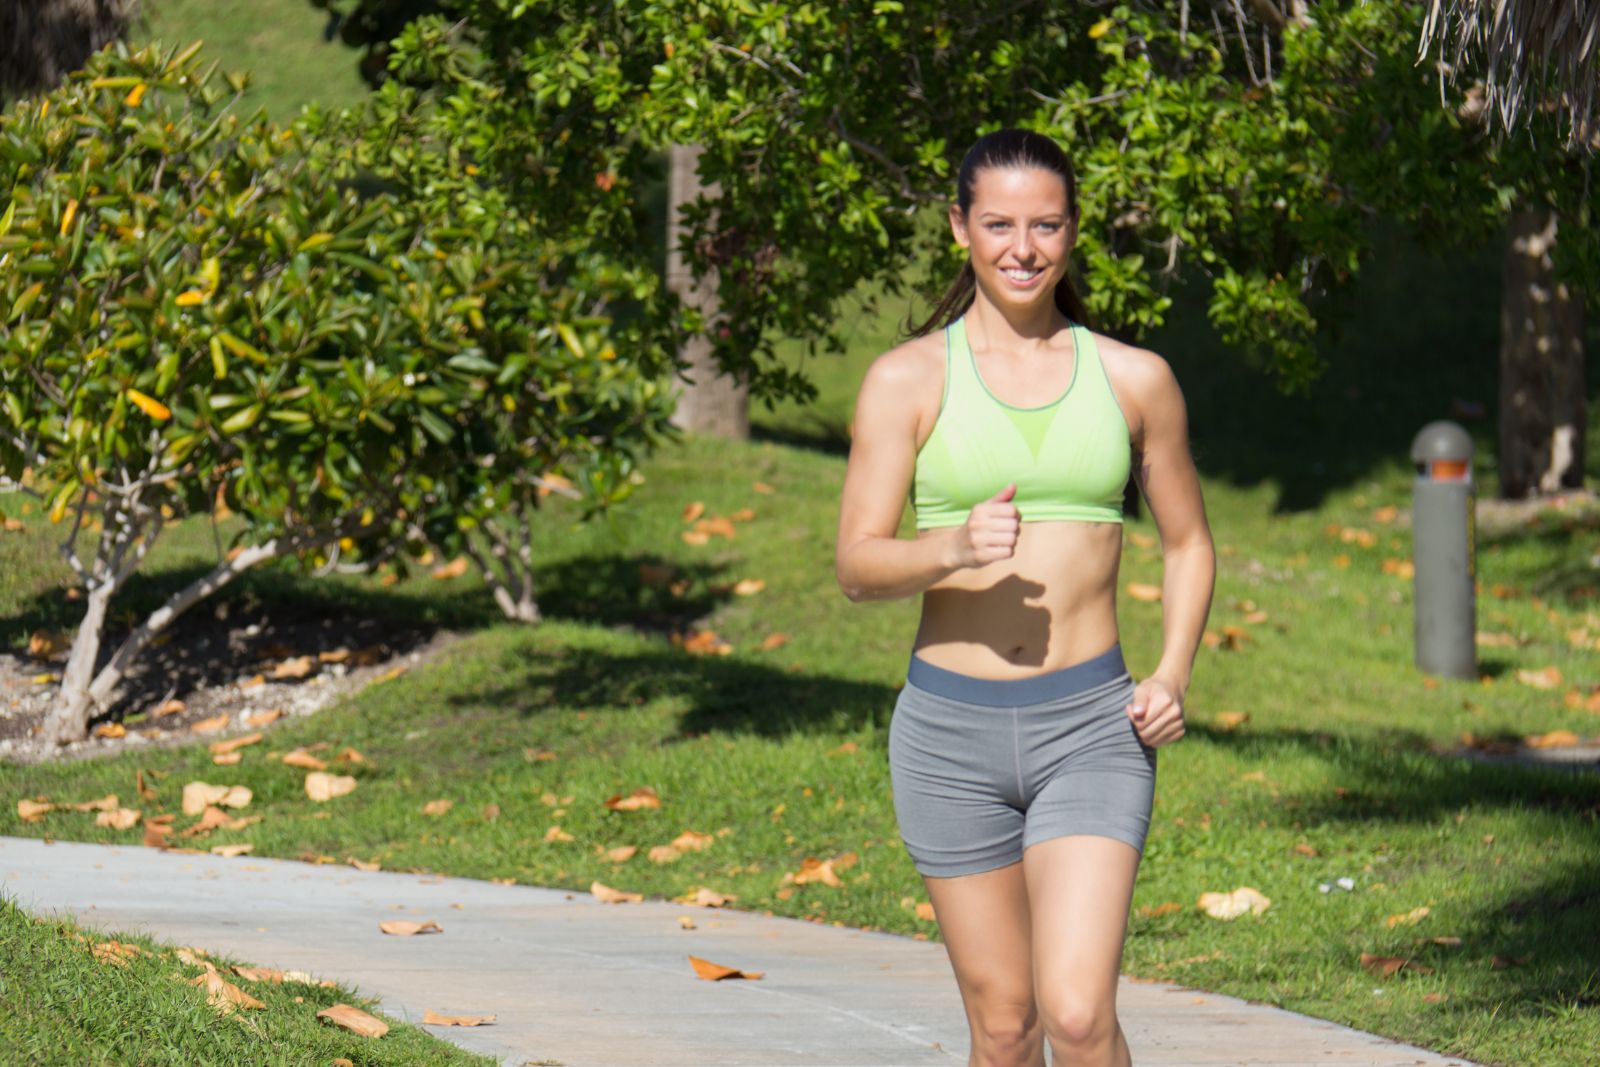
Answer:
(1166, 474)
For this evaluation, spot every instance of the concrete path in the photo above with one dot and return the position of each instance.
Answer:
(586, 984)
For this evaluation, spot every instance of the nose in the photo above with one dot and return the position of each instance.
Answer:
(1022, 245)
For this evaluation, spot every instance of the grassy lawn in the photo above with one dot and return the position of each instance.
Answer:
(95, 999)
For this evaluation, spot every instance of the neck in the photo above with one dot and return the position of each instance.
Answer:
(1032, 327)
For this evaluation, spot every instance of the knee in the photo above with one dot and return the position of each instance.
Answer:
(1004, 1035)
(1076, 1021)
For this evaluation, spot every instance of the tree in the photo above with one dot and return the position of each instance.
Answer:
(42, 41)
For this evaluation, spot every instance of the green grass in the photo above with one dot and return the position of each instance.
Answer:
(64, 1006)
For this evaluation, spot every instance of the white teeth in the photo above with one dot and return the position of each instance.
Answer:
(1019, 274)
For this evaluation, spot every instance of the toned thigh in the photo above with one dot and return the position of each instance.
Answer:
(1080, 888)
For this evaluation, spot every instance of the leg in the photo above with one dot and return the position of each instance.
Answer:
(983, 919)
(1080, 888)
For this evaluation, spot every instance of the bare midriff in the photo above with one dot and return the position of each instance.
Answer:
(1051, 605)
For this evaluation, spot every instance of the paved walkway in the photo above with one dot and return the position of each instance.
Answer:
(587, 984)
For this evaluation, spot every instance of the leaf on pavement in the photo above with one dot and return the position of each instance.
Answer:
(703, 897)
(640, 799)
(1245, 899)
(716, 972)
(321, 786)
(238, 849)
(438, 807)
(355, 1020)
(118, 818)
(686, 923)
(606, 895)
(408, 928)
(365, 865)
(433, 1018)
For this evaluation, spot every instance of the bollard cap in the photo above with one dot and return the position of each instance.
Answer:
(1443, 451)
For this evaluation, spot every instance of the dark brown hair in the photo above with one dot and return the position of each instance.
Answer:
(1009, 147)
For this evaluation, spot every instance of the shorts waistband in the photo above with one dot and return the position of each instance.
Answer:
(1017, 692)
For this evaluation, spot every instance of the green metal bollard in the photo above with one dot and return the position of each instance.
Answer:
(1443, 530)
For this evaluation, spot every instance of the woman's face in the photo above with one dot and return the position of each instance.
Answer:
(1019, 232)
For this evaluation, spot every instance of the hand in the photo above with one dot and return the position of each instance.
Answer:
(990, 532)
(1156, 712)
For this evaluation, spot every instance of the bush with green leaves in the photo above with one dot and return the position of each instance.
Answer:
(206, 311)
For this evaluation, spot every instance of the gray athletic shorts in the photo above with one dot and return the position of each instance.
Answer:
(982, 769)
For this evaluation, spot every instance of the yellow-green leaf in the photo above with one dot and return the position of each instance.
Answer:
(189, 298)
(316, 240)
(1099, 29)
(569, 336)
(149, 405)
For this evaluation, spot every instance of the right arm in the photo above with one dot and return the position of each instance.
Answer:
(870, 562)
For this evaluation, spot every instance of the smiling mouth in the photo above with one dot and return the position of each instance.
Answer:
(1018, 274)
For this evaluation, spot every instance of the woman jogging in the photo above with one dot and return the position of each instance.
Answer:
(1023, 755)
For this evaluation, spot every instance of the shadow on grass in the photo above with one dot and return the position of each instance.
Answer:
(1540, 937)
(641, 590)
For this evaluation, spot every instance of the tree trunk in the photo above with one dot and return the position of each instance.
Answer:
(710, 402)
(42, 41)
(68, 718)
(1543, 412)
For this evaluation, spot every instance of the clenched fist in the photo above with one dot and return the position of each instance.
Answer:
(990, 532)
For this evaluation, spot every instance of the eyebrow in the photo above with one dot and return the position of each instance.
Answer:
(999, 216)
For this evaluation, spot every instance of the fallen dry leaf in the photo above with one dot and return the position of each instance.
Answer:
(1341, 561)
(304, 760)
(1487, 639)
(111, 730)
(621, 854)
(640, 799)
(663, 854)
(1305, 850)
(1231, 720)
(105, 803)
(717, 526)
(228, 759)
(1387, 966)
(695, 537)
(1166, 907)
(33, 810)
(355, 1020)
(118, 818)
(171, 707)
(774, 641)
(264, 718)
(706, 898)
(693, 841)
(408, 928)
(693, 511)
(198, 795)
(1234, 904)
(1544, 678)
(716, 972)
(433, 1018)
(925, 912)
(139, 786)
(260, 974)
(748, 587)
(1553, 739)
(454, 569)
(491, 812)
(606, 895)
(1400, 568)
(365, 865)
(556, 833)
(349, 755)
(656, 575)
(239, 849)
(209, 726)
(1140, 540)
(195, 957)
(214, 818)
(705, 643)
(438, 807)
(1234, 637)
(1141, 591)
(223, 747)
(1256, 618)
(686, 923)
(321, 786)
(824, 871)
(1385, 515)
(763, 488)
(222, 994)
(116, 953)
(1408, 918)
(156, 829)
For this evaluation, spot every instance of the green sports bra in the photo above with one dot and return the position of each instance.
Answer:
(1070, 458)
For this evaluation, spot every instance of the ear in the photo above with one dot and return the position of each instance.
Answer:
(958, 226)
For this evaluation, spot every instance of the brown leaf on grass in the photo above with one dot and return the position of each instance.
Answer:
(105, 803)
(228, 759)
(194, 957)
(116, 953)
(716, 972)
(171, 707)
(705, 643)
(111, 730)
(1141, 591)
(748, 587)
(230, 851)
(408, 928)
(640, 799)
(696, 537)
(139, 786)
(774, 641)
(1553, 739)
(264, 718)
(209, 726)
(33, 810)
(118, 818)
(355, 1020)
(1166, 907)
(606, 895)
(197, 795)
(156, 829)
(656, 575)
(1501, 963)
(1354, 535)
(454, 569)
(556, 833)
(304, 760)
(1544, 678)
(1305, 850)
(744, 515)
(1490, 639)
(693, 841)
(1256, 618)
(693, 511)
(214, 818)
(321, 786)
(438, 807)
(433, 1018)
(222, 994)
(621, 854)
(1388, 966)
(763, 488)
(234, 744)
(1408, 918)
(1234, 637)
(1401, 568)
(350, 755)
(1211, 639)
(824, 871)
(664, 854)
(1231, 720)
(702, 897)
(1342, 561)
(1233, 904)
(491, 812)
(925, 912)
(717, 526)
(333, 655)
(1385, 515)
(261, 974)
(14, 525)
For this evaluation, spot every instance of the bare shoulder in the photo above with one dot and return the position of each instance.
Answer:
(1142, 380)
(906, 382)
